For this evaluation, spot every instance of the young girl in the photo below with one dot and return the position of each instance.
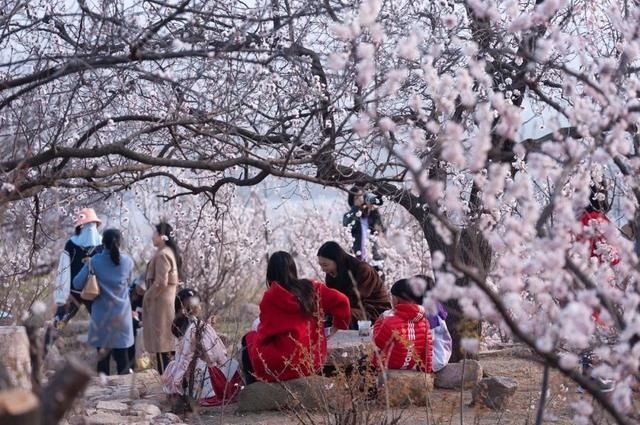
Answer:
(403, 334)
(200, 368)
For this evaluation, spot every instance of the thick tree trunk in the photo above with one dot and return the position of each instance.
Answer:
(14, 355)
(19, 407)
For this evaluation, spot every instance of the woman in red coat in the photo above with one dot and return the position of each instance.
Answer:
(403, 335)
(289, 341)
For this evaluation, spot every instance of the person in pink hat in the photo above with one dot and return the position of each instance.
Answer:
(85, 243)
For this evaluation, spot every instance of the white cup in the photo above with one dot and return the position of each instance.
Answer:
(364, 327)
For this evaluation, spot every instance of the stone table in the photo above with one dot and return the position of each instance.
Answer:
(344, 348)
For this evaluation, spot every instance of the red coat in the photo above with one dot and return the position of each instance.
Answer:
(286, 339)
(595, 218)
(403, 337)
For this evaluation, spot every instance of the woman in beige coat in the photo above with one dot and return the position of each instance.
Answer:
(158, 307)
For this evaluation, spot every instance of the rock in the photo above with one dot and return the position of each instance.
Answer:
(76, 420)
(172, 417)
(450, 376)
(115, 406)
(106, 418)
(406, 387)
(14, 352)
(147, 409)
(346, 347)
(132, 386)
(260, 396)
(494, 392)
(82, 338)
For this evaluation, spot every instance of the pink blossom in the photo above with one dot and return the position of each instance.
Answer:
(369, 10)
(407, 48)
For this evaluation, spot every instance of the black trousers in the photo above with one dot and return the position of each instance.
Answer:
(65, 313)
(247, 367)
(120, 355)
(162, 360)
(71, 308)
(132, 349)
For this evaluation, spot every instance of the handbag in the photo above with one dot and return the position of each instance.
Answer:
(91, 288)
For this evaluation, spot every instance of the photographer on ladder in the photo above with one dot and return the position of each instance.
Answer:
(365, 223)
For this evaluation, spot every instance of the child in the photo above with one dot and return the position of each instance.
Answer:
(403, 334)
(407, 336)
(200, 369)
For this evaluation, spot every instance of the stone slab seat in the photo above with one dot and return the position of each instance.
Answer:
(260, 396)
(450, 377)
(405, 388)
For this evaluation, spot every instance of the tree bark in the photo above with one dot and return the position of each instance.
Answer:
(15, 356)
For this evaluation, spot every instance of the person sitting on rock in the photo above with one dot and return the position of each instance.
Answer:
(200, 370)
(403, 334)
(289, 341)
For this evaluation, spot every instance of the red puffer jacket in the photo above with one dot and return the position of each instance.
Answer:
(403, 337)
(287, 343)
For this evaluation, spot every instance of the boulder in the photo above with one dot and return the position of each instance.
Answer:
(260, 396)
(14, 352)
(405, 388)
(106, 418)
(494, 392)
(115, 406)
(450, 377)
(147, 409)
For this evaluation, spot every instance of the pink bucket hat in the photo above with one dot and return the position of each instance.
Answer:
(86, 215)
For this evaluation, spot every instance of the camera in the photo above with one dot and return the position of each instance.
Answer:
(372, 199)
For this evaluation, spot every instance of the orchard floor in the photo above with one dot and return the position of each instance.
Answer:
(445, 404)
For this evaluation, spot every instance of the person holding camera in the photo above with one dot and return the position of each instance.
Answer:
(365, 223)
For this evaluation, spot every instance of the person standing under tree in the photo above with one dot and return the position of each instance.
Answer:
(85, 243)
(365, 222)
(110, 328)
(161, 283)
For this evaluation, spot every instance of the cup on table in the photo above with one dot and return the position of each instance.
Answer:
(364, 327)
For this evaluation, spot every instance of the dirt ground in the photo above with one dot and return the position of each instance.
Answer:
(445, 404)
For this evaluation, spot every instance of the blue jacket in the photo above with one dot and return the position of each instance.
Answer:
(111, 324)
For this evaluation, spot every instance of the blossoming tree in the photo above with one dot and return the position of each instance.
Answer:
(431, 104)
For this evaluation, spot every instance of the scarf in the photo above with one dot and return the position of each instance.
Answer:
(88, 236)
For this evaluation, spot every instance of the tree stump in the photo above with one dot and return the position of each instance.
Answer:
(19, 407)
(14, 355)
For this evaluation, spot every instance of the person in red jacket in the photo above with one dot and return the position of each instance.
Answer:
(594, 219)
(403, 335)
(289, 341)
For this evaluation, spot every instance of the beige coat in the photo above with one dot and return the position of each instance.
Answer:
(159, 300)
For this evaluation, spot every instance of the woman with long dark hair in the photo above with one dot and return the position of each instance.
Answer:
(356, 279)
(289, 341)
(110, 329)
(161, 280)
